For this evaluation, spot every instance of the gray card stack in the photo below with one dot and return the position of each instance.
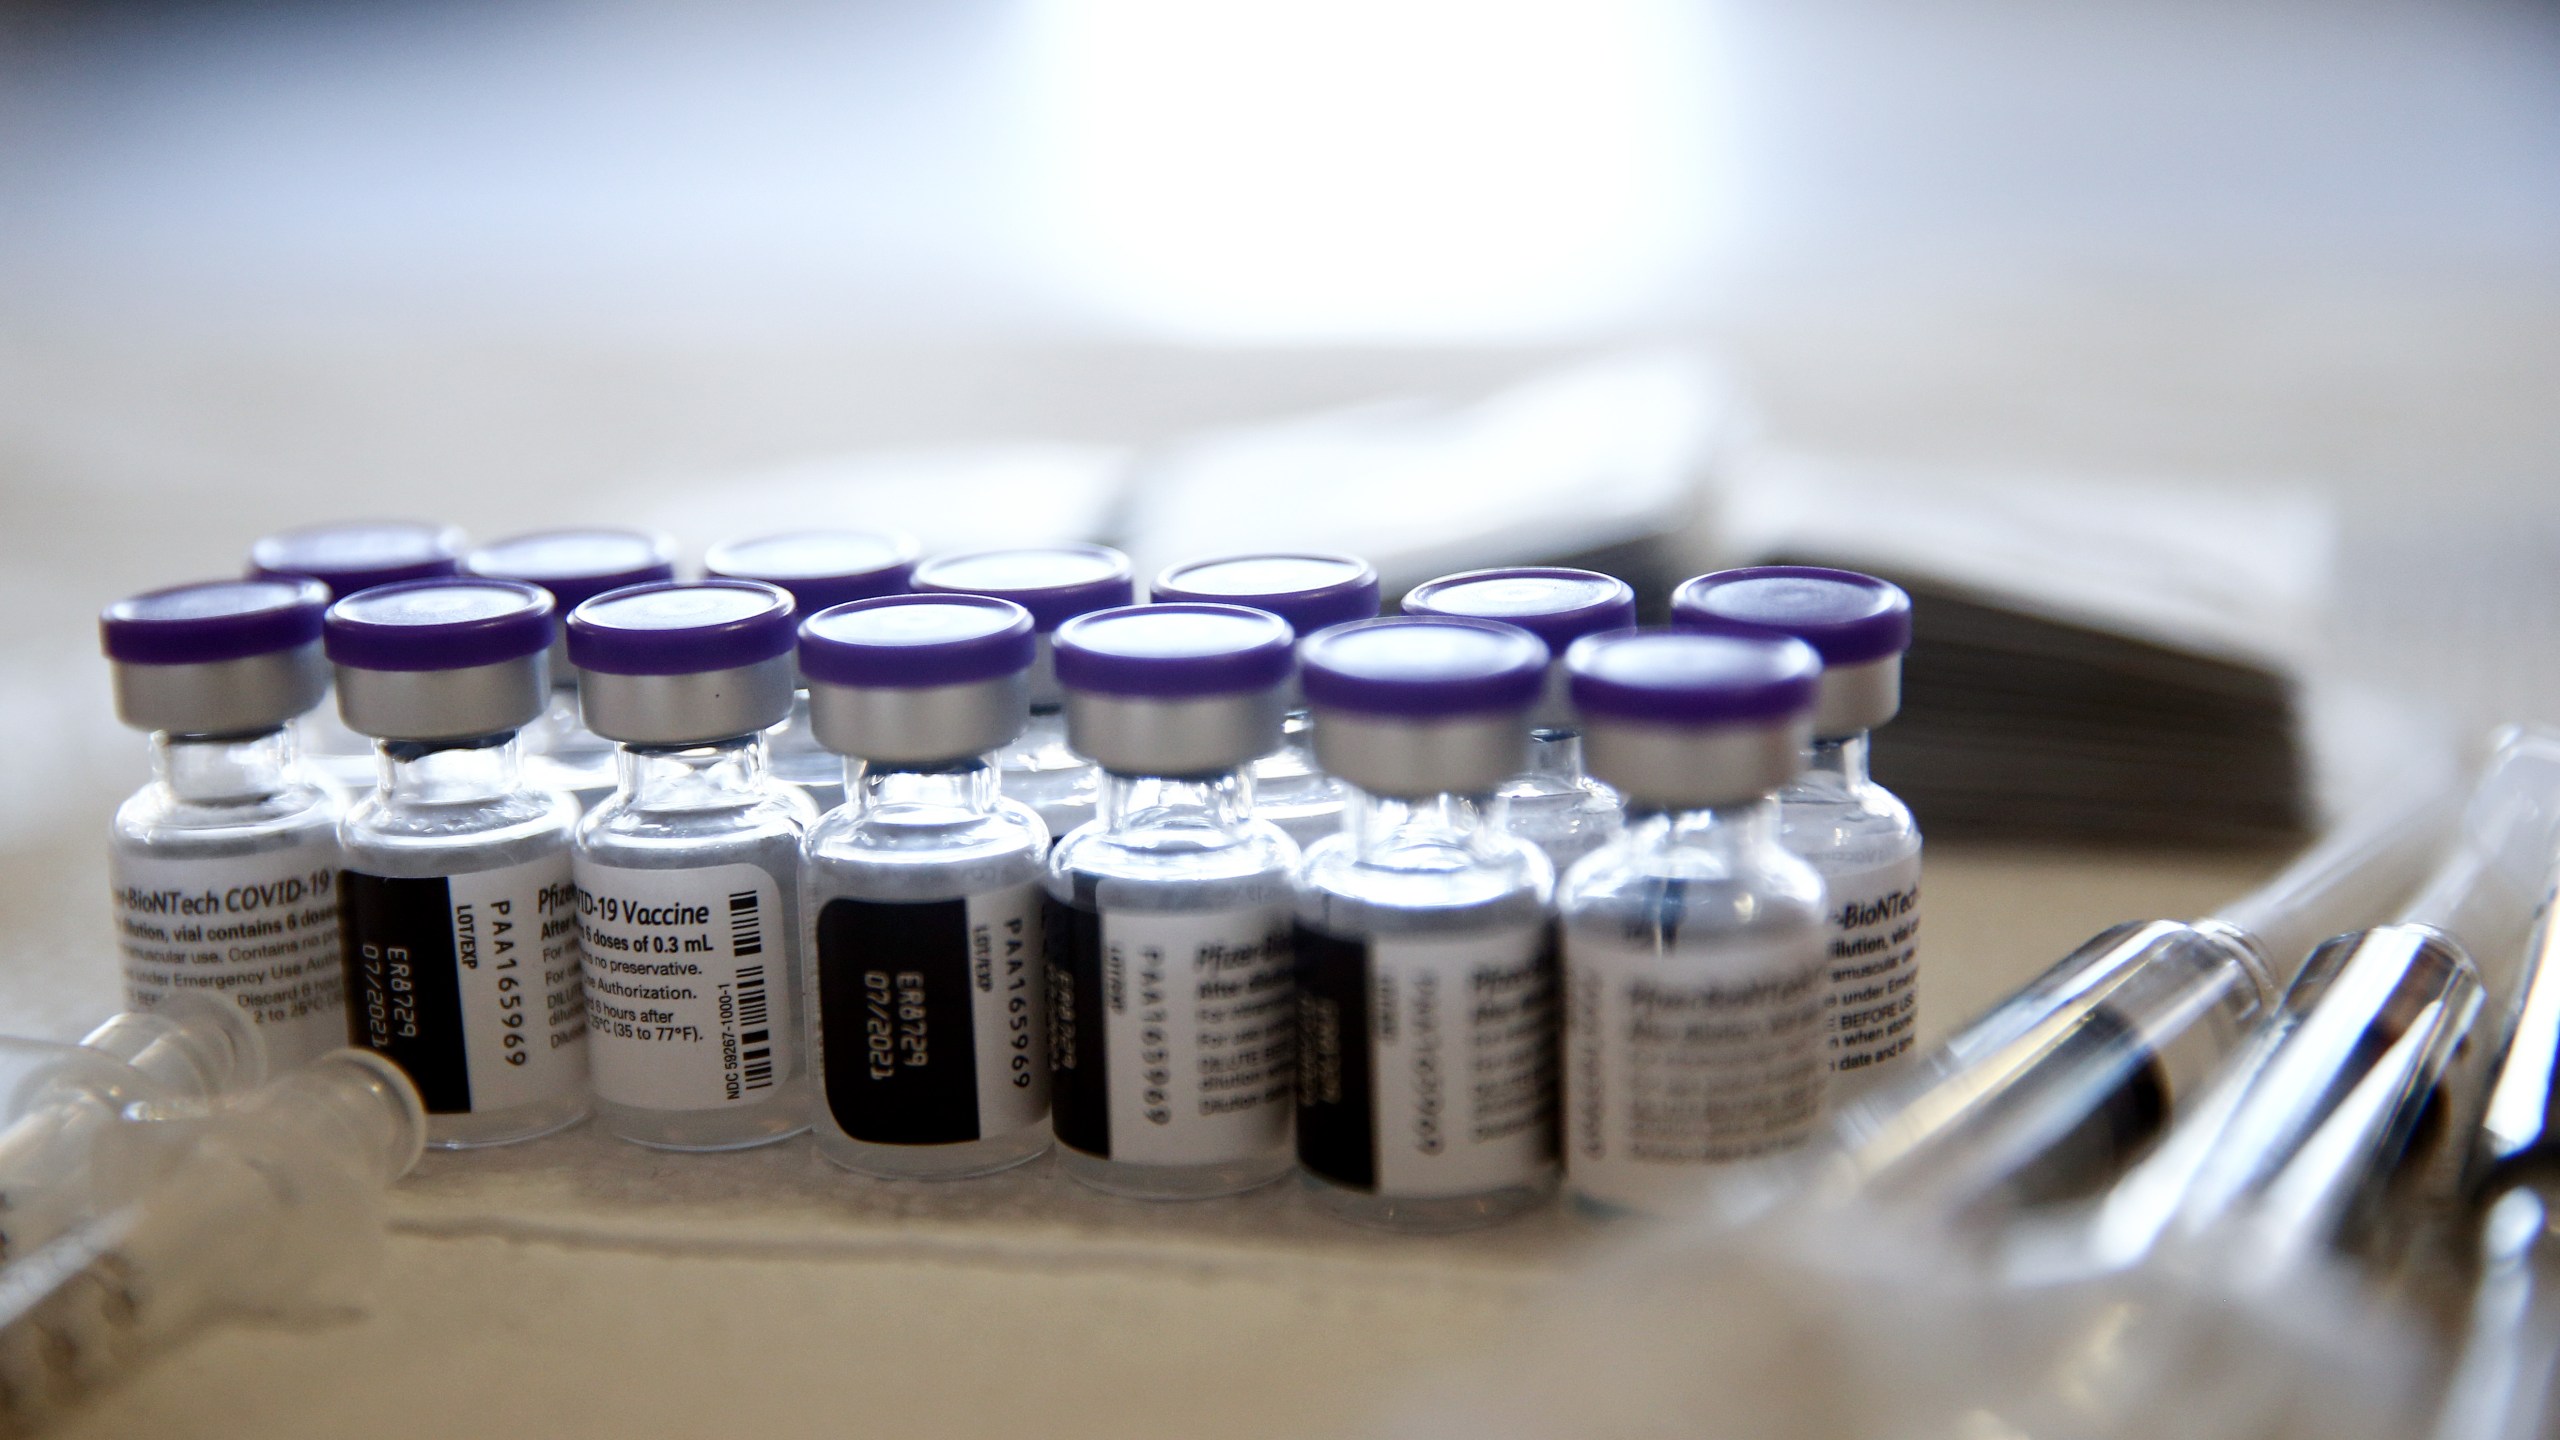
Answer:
(2089, 661)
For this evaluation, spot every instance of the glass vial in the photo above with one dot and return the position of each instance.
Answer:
(1856, 833)
(1694, 944)
(688, 874)
(820, 568)
(1310, 591)
(1172, 1011)
(1425, 961)
(1056, 583)
(929, 990)
(1554, 804)
(458, 912)
(346, 557)
(223, 870)
(561, 750)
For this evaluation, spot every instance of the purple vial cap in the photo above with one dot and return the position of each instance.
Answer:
(576, 566)
(913, 642)
(1556, 604)
(359, 554)
(1423, 667)
(439, 625)
(1056, 583)
(1848, 618)
(1688, 677)
(1310, 590)
(677, 627)
(1174, 652)
(819, 567)
(213, 621)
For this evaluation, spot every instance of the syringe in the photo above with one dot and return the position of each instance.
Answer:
(271, 1206)
(2320, 1112)
(63, 1108)
(2056, 1090)
(1865, 1314)
(2287, 1155)
(2184, 1280)
(2507, 1383)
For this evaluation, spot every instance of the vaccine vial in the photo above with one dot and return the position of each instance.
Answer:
(223, 870)
(928, 985)
(821, 568)
(1425, 961)
(346, 557)
(1555, 804)
(689, 873)
(1172, 1012)
(1310, 591)
(1056, 583)
(1694, 944)
(458, 915)
(561, 750)
(1856, 833)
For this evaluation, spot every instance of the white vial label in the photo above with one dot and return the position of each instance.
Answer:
(932, 1017)
(258, 930)
(470, 983)
(1426, 1065)
(681, 969)
(1873, 1009)
(1687, 1059)
(1174, 1036)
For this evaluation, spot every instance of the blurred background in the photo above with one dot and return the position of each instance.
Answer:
(1323, 172)
(2052, 311)
(2197, 360)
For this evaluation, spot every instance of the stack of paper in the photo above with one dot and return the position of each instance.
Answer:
(2089, 660)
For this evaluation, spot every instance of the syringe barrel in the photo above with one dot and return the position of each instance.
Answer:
(2367, 863)
(68, 1147)
(2506, 1385)
(96, 1299)
(34, 1074)
(191, 1051)
(2485, 892)
(267, 1206)
(2292, 1149)
(348, 1106)
(2520, 1125)
(2054, 1091)
(62, 1138)
(189, 1047)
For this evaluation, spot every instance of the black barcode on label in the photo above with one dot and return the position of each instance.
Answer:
(755, 1036)
(746, 934)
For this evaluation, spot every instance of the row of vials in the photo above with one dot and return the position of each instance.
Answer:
(944, 860)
